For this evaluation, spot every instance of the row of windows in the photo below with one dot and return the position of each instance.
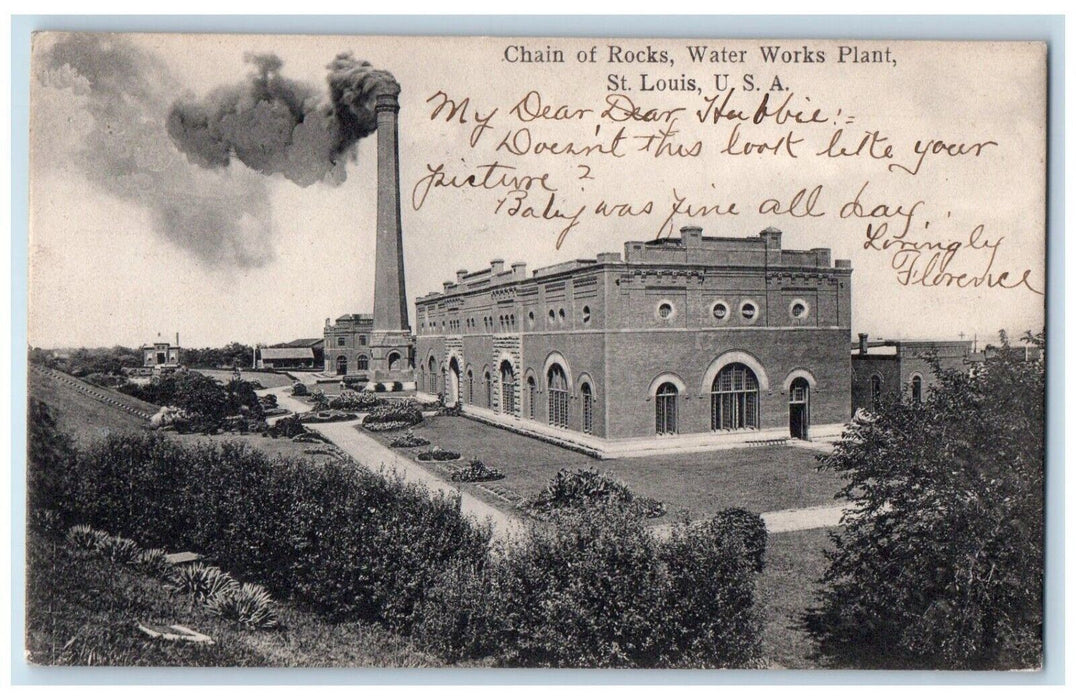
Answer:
(734, 398)
(876, 389)
(665, 310)
(362, 363)
(341, 341)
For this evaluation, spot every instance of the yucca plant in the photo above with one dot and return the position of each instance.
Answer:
(250, 605)
(154, 562)
(84, 536)
(202, 582)
(119, 550)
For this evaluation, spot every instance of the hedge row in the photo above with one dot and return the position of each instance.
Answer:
(587, 587)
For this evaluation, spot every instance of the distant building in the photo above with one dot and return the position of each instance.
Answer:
(889, 370)
(161, 355)
(696, 341)
(303, 353)
(347, 346)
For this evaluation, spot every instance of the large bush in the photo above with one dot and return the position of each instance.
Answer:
(205, 402)
(940, 564)
(595, 588)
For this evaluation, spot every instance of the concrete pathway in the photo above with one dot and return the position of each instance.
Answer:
(803, 518)
(372, 454)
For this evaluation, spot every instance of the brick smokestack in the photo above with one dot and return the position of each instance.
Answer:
(390, 295)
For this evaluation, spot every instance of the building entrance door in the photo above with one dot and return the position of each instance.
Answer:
(799, 408)
(452, 390)
(341, 365)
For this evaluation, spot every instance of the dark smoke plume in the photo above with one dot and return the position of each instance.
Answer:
(116, 97)
(273, 124)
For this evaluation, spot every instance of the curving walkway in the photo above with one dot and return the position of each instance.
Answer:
(373, 455)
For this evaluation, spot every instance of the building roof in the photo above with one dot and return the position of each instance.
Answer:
(691, 249)
(286, 353)
(301, 343)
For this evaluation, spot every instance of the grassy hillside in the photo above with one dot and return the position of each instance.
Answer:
(81, 415)
(82, 610)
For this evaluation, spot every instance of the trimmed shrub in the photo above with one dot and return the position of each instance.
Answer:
(299, 389)
(477, 471)
(409, 439)
(586, 488)
(249, 605)
(287, 427)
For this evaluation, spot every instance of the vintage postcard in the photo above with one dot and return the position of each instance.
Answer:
(559, 352)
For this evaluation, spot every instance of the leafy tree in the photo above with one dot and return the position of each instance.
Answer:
(940, 562)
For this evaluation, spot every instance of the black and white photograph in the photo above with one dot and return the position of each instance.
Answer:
(492, 352)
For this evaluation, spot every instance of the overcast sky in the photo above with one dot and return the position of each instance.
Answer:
(232, 232)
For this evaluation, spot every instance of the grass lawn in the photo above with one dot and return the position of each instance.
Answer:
(759, 478)
(786, 588)
(267, 379)
(82, 610)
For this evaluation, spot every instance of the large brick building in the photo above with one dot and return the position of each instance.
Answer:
(699, 341)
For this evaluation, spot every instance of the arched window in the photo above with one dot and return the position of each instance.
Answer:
(876, 390)
(470, 386)
(433, 376)
(362, 362)
(665, 409)
(734, 398)
(341, 365)
(917, 389)
(508, 389)
(588, 408)
(394, 361)
(557, 382)
(532, 392)
(489, 389)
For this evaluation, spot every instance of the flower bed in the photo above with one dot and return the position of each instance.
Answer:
(438, 455)
(477, 471)
(326, 417)
(409, 439)
(585, 488)
(393, 416)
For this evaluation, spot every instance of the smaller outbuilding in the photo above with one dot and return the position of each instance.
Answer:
(889, 370)
(303, 353)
